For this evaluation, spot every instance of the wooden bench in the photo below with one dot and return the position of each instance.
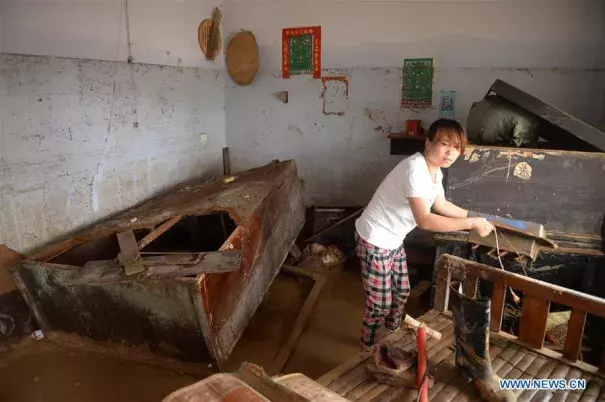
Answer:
(523, 357)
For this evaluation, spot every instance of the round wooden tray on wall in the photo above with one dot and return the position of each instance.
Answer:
(242, 58)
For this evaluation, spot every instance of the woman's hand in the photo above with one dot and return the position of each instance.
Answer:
(482, 226)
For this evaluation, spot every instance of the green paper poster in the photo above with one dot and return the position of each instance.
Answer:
(417, 85)
(301, 54)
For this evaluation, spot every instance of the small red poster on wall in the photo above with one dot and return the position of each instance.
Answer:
(301, 51)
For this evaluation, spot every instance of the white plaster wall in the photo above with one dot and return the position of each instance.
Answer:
(82, 139)
(161, 31)
(549, 48)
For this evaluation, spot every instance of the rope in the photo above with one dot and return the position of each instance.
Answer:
(511, 246)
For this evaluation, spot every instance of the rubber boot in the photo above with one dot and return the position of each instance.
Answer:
(471, 331)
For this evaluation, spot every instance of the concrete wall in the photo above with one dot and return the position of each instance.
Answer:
(82, 139)
(84, 134)
(549, 48)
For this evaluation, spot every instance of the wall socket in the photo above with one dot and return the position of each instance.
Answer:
(203, 138)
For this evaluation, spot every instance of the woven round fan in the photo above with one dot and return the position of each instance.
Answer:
(242, 58)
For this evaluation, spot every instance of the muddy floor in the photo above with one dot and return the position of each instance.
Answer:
(42, 372)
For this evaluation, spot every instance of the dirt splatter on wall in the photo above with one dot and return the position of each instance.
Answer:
(82, 139)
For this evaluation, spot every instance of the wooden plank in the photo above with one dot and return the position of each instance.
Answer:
(591, 393)
(518, 356)
(335, 224)
(560, 371)
(303, 385)
(361, 389)
(442, 292)
(508, 352)
(226, 162)
(353, 381)
(389, 395)
(560, 395)
(374, 393)
(30, 300)
(129, 255)
(533, 321)
(576, 394)
(503, 371)
(575, 330)
(512, 242)
(497, 308)
(281, 359)
(470, 286)
(447, 393)
(538, 289)
(157, 232)
(213, 262)
(550, 354)
(543, 372)
(527, 360)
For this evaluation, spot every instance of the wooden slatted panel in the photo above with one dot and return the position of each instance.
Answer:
(593, 388)
(561, 395)
(530, 286)
(543, 372)
(361, 389)
(533, 321)
(560, 371)
(575, 329)
(374, 393)
(497, 310)
(470, 286)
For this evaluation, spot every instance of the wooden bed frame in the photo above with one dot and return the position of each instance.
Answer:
(536, 304)
(512, 357)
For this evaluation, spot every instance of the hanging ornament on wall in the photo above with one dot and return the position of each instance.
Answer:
(209, 35)
(242, 58)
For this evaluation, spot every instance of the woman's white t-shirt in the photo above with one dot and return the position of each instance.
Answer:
(388, 217)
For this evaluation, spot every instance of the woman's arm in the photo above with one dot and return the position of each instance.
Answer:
(437, 223)
(443, 207)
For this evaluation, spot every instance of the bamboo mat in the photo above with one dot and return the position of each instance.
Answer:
(509, 360)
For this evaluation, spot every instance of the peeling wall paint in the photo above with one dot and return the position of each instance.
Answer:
(83, 139)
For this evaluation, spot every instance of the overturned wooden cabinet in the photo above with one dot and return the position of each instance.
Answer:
(179, 276)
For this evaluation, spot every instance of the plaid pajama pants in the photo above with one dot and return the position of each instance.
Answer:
(387, 287)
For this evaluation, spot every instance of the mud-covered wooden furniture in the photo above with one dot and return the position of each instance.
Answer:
(512, 358)
(209, 252)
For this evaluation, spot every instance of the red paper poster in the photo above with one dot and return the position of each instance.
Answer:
(301, 51)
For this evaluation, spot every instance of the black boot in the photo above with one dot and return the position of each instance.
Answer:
(471, 330)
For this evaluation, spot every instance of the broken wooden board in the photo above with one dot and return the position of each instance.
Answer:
(513, 242)
(520, 228)
(98, 272)
(129, 255)
(285, 352)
